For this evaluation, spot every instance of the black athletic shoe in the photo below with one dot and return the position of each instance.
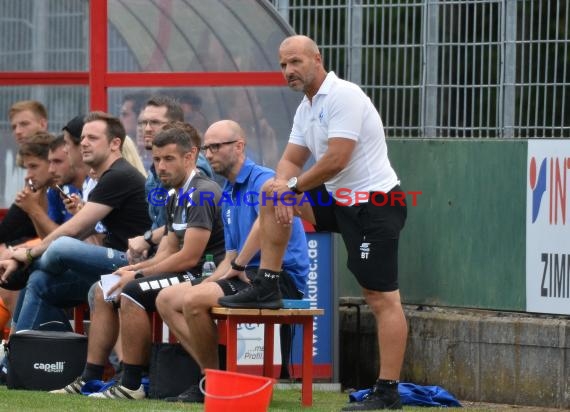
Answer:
(191, 395)
(376, 400)
(255, 297)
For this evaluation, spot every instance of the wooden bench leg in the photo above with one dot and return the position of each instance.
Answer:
(231, 345)
(307, 378)
(268, 341)
(79, 317)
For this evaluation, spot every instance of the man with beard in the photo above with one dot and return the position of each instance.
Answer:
(62, 267)
(194, 228)
(157, 112)
(186, 308)
(339, 126)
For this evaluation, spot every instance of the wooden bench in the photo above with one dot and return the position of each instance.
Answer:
(269, 318)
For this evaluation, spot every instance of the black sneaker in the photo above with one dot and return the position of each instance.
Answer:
(376, 400)
(254, 297)
(191, 395)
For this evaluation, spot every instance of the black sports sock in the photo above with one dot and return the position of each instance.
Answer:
(267, 278)
(132, 376)
(92, 372)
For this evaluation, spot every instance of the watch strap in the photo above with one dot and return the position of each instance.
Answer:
(237, 267)
(148, 238)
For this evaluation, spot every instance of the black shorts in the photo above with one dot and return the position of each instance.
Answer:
(370, 232)
(144, 291)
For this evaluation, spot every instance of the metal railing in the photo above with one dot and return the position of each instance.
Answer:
(465, 69)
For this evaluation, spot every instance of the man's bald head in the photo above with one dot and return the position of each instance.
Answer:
(305, 43)
(229, 128)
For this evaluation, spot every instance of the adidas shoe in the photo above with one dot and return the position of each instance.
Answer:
(74, 388)
(256, 296)
(118, 391)
(191, 395)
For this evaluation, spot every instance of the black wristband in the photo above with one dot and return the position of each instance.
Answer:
(237, 267)
(139, 274)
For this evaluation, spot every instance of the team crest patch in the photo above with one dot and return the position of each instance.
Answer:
(364, 250)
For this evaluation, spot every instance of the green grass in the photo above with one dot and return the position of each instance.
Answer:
(283, 400)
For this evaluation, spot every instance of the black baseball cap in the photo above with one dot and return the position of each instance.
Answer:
(74, 127)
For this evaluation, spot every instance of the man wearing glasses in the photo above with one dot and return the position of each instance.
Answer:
(158, 111)
(186, 307)
(215, 147)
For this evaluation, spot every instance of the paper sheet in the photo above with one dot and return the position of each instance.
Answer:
(108, 281)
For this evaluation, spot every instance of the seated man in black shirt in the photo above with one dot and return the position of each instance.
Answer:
(27, 117)
(63, 267)
(194, 228)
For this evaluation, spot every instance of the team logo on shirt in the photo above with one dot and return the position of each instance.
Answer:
(364, 250)
(321, 115)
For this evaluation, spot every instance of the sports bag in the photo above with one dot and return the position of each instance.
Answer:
(172, 371)
(44, 360)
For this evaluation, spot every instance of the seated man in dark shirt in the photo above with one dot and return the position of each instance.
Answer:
(27, 117)
(63, 267)
(30, 207)
(194, 228)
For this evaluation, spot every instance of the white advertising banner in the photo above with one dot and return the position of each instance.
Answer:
(548, 227)
(250, 344)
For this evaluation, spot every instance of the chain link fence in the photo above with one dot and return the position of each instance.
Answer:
(459, 69)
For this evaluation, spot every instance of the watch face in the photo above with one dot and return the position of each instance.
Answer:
(148, 235)
(292, 183)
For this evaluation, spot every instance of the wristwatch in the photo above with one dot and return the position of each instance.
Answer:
(237, 267)
(292, 185)
(148, 238)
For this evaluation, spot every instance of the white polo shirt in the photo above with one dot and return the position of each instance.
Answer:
(341, 109)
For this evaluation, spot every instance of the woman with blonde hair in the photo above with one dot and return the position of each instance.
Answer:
(132, 156)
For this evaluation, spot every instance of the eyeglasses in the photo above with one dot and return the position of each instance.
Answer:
(152, 123)
(214, 147)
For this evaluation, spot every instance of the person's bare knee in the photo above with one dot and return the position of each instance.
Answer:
(99, 302)
(164, 301)
(381, 301)
(191, 305)
(172, 299)
(201, 299)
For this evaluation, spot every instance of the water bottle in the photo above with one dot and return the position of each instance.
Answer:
(209, 267)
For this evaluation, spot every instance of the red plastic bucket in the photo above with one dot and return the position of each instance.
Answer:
(236, 392)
